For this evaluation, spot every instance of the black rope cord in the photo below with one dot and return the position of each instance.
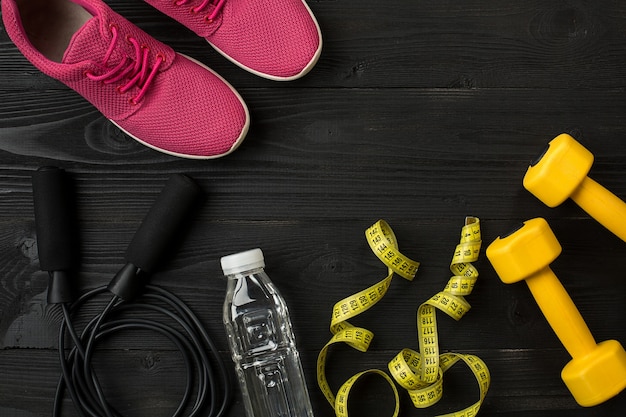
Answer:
(205, 387)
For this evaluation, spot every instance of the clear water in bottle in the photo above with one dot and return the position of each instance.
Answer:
(261, 340)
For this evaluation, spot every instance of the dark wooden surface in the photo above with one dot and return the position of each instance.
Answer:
(418, 112)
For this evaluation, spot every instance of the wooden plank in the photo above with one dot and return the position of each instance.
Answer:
(515, 390)
(466, 45)
(415, 154)
(305, 255)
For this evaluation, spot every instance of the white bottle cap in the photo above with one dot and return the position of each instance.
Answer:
(242, 261)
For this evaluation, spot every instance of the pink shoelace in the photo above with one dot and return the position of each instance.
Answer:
(136, 71)
(218, 4)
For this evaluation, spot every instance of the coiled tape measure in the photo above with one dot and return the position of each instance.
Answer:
(419, 372)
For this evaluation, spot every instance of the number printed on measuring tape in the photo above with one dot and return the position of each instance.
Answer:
(341, 403)
(359, 302)
(383, 243)
(419, 372)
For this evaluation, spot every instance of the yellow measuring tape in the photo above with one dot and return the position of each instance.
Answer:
(420, 373)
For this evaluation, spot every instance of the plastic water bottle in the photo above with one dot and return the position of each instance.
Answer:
(261, 340)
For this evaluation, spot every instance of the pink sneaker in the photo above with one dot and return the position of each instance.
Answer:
(275, 39)
(165, 100)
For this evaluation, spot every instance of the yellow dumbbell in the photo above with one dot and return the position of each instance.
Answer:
(561, 172)
(596, 372)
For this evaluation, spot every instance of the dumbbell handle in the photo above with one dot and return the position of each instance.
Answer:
(561, 313)
(602, 205)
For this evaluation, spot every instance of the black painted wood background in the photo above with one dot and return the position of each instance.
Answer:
(418, 112)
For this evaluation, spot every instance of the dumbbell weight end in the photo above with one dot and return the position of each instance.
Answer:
(560, 172)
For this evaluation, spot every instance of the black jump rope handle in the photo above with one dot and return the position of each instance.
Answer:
(56, 232)
(155, 233)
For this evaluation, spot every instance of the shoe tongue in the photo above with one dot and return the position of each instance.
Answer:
(87, 44)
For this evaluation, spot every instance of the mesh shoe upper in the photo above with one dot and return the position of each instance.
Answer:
(276, 39)
(162, 99)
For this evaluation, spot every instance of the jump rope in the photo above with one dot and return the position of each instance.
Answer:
(207, 390)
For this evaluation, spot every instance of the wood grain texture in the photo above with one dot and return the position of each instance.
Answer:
(418, 112)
